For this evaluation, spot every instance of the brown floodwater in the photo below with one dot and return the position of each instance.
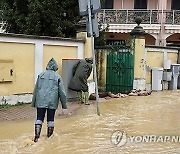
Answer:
(86, 132)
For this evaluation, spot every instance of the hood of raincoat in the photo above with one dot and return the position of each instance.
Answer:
(52, 65)
(89, 60)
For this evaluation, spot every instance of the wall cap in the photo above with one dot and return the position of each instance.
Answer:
(40, 37)
(162, 47)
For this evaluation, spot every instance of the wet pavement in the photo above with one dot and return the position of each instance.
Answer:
(25, 111)
(85, 132)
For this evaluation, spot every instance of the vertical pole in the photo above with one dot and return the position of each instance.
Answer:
(94, 61)
(95, 76)
(126, 16)
(162, 17)
(150, 16)
(173, 18)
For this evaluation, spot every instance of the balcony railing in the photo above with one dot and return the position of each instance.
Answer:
(172, 17)
(148, 16)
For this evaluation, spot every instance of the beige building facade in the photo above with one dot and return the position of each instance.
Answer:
(23, 57)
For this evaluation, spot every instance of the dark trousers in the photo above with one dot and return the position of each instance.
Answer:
(41, 114)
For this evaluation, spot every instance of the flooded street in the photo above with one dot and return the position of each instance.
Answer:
(85, 132)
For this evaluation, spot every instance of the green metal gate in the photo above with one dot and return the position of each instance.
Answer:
(120, 69)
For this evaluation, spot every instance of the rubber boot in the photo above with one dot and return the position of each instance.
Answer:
(50, 131)
(86, 98)
(37, 132)
(80, 98)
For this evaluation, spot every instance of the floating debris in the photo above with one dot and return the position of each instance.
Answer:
(107, 95)
(140, 93)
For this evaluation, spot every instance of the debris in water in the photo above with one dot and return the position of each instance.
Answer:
(140, 93)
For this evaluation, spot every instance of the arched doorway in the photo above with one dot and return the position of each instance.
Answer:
(150, 40)
(173, 40)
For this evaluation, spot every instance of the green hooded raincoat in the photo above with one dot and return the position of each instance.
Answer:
(81, 73)
(49, 88)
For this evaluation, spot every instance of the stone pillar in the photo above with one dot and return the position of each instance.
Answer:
(138, 48)
(82, 34)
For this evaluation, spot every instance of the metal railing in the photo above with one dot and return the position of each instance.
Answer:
(148, 16)
(172, 17)
(128, 16)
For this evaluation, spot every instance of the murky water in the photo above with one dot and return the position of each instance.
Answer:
(158, 114)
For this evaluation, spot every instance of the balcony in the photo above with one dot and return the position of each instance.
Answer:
(111, 16)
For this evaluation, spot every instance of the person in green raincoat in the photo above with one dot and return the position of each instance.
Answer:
(78, 83)
(49, 89)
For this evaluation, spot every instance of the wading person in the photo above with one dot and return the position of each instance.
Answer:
(48, 91)
(78, 83)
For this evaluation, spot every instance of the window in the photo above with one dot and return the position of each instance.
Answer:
(175, 4)
(140, 4)
(108, 4)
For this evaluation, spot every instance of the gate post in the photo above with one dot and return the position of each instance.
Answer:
(138, 49)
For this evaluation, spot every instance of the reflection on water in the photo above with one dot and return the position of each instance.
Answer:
(86, 132)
